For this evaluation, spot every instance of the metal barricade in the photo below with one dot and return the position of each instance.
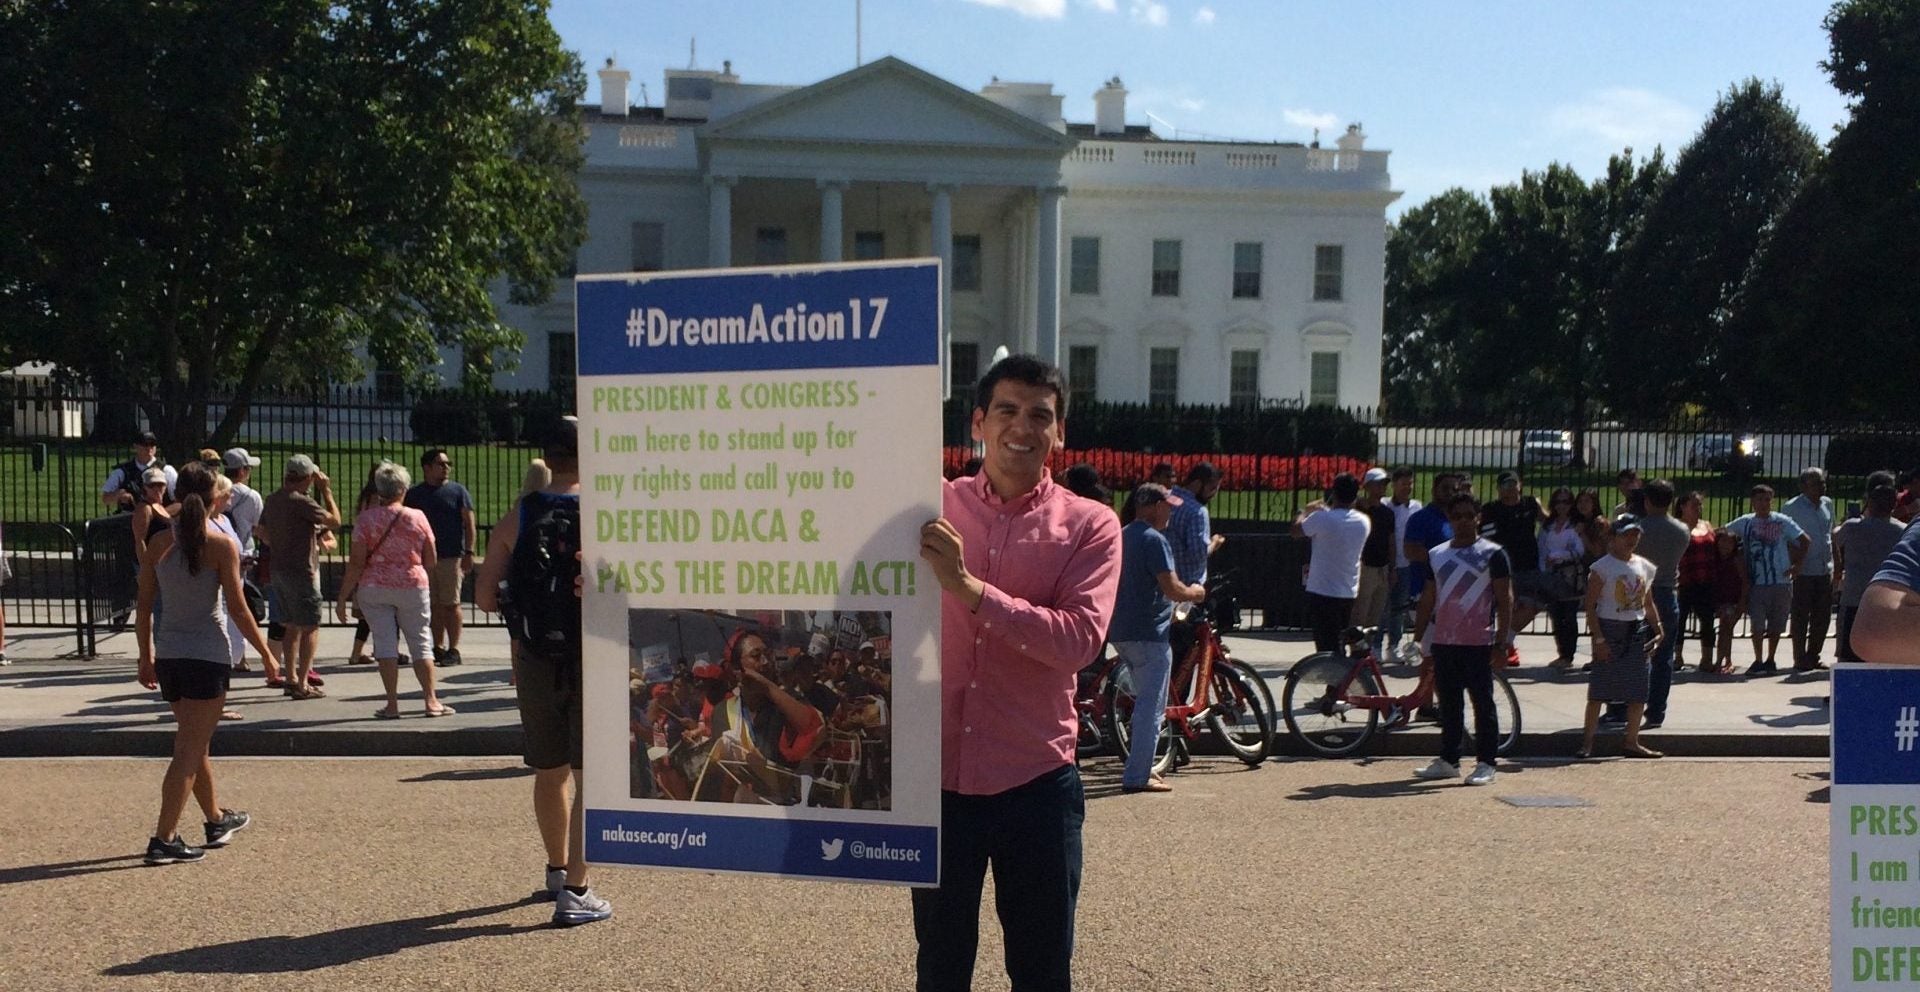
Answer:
(44, 580)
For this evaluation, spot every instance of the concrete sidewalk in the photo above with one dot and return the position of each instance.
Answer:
(55, 706)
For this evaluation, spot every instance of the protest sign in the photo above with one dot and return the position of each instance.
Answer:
(1874, 827)
(758, 451)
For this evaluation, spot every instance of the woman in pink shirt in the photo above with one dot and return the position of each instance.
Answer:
(387, 578)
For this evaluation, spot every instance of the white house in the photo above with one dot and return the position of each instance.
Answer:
(1150, 269)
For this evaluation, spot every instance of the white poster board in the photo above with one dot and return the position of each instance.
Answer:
(1874, 829)
(758, 451)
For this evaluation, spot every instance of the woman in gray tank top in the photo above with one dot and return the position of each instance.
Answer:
(187, 577)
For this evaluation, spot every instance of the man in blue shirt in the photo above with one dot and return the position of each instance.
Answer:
(1426, 529)
(449, 512)
(1190, 532)
(1142, 617)
(1812, 604)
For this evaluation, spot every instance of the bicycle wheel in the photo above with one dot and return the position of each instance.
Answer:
(1239, 717)
(1266, 691)
(1506, 708)
(1119, 697)
(1326, 724)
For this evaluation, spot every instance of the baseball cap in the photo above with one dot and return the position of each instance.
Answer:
(563, 439)
(146, 437)
(1625, 522)
(1375, 474)
(867, 646)
(1506, 479)
(707, 670)
(239, 458)
(301, 467)
(153, 475)
(1148, 493)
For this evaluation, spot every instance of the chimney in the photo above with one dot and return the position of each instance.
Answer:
(1354, 140)
(613, 90)
(1110, 108)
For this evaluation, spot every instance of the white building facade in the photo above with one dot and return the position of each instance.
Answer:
(1151, 270)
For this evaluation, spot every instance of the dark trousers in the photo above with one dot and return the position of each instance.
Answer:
(1327, 617)
(1696, 603)
(1468, 668)
(1843, 644)
(1565, 614)
(1807, 617)
(1030, 836)
(1666, 602)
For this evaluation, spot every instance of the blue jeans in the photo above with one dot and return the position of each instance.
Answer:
(1401, 602)
(1151, 663)
(1666, 602)
(1031, 836)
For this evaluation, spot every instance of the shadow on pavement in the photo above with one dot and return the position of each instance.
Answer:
(1822, 795)
(1373, 790)
(327, 949)
(68, 869)
(1815, 714)
(472, 774)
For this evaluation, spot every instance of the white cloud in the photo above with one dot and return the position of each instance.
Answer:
(1148, 12)
(1050, 10)
(1190, 105)
(1625, 116)
(1203, 16)
(1103, 6)
(1308, 119)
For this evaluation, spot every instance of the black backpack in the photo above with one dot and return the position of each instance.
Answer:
(542, 611)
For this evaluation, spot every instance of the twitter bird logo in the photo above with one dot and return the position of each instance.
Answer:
(830, 849)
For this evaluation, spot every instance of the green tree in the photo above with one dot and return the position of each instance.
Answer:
(1431, 289)
(211, 195)
(1688, 269)
(1834, 307)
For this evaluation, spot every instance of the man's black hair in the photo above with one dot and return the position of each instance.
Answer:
(432, 455)
(1027, 370)
(1880, 478)
(1346, 488)
(1659, 494)
(1200, 472)
(1625, 474)
(1400, 472)
(1459, 498)
(1760, 488)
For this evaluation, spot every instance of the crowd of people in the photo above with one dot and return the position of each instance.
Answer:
(773, 722)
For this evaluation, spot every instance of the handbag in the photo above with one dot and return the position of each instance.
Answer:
(375, 549)
(1569, 579)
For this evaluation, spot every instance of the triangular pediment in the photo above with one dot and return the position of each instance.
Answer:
(888, 102)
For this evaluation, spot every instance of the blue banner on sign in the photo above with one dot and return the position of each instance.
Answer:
(1876, 726)
(879, 852)
(803, 318)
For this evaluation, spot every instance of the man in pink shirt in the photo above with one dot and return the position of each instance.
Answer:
(1028, 572)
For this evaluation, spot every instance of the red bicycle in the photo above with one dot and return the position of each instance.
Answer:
(1208, 688)
(1333, 705)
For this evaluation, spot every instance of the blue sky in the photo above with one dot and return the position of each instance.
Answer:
(1462, 93)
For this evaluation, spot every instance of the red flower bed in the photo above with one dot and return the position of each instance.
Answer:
(1121, 470)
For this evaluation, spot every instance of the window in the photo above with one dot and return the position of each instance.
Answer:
(1328, 260)
(649, 246)
(689, 88)
(963, 369)
(770, 246)
(1083, 273)
(869, 246)
(1323, 379)
(1243, 378)
(1163, 376)
(1083, 364)
(388, 385)
(560, 366)
(966, 263)
(1246, 270)
(1166, 268)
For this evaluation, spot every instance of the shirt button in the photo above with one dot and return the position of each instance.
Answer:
(973, 685)
(993, 551)
(987, 625)
(1023, 647)
(969, 730)
(977, 640)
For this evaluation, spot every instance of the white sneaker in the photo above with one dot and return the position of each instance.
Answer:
(1482, 774)
(1441, 768)
(1408, 652)
(556, 881)
(570, 910)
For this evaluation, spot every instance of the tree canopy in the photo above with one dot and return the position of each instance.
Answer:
(209, 195)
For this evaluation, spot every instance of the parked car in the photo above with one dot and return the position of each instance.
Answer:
(1546, 447)
(1730, 453)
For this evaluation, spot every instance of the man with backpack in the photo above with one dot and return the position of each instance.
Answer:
(534, 553)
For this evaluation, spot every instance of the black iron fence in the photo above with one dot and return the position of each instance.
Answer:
(59, 443)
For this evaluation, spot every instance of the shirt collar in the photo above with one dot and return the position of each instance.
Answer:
(983, 488)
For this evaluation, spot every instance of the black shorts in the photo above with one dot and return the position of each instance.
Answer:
(192, 678)
(549, 697)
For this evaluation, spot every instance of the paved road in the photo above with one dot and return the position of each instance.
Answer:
(55, 706)
(1343, 876)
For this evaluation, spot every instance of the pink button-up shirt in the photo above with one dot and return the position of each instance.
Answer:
(1051, 564)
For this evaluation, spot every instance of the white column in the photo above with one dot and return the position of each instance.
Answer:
(830, 213)
(1047, 294)
(943, 249)
(719, 221)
